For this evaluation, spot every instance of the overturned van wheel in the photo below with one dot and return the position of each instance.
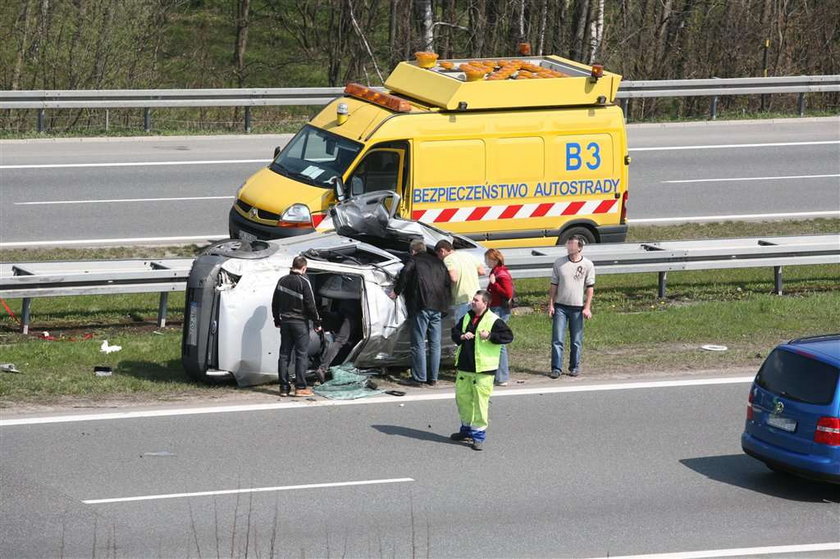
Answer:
(239, 248)
(587, 235)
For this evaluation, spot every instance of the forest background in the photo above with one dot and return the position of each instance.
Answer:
(152, 44)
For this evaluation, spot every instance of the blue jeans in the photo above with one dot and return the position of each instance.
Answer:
(503, 372)
(574, 317)
(422, 323)
(459, 310)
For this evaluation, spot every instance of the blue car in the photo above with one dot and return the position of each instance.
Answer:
(793, 415)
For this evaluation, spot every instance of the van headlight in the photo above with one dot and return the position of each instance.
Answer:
(297, 213)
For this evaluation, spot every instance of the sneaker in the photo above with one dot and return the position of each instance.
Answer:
(477, 445)
(574, 372)
(432, 383)
(303, 392)
(555, 373)
(459, 436)
(284, 392)
(501, 383)
(410, 382)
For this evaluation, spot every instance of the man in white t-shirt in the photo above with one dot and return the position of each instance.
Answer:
(464, 270)
(570, 302)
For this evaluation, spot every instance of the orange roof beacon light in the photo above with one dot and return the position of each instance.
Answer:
(391, 102)
(597, 72)
(426, 59)
(524, 49)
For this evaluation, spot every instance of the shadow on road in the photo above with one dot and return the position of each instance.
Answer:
(413, 434)
(742, 471)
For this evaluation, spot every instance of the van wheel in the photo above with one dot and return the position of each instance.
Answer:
(587, 235)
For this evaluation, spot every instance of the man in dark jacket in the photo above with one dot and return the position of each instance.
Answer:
(479, 335)
(426, 286)
(293, 307)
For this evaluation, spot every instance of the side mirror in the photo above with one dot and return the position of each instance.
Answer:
(357, 186)
(277, 151)
(338, 184)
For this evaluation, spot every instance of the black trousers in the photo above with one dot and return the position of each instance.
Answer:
(294, 340)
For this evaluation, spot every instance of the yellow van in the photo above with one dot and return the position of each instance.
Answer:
(509, 152)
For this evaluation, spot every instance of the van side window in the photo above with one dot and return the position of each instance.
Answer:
(385, 167)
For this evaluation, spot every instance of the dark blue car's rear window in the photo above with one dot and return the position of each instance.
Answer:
(798, 377)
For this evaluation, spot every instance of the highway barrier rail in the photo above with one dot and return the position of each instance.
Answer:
(28, 281)
(148, 99)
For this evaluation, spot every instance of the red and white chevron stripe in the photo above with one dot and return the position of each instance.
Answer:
(516, 211)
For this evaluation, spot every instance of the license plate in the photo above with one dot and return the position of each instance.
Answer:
(245, 236)
(783, 423)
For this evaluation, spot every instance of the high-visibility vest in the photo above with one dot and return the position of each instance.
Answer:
(486, 353)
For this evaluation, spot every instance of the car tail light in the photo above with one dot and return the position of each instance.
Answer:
(750, 406)
(828, 431)
(624, 207)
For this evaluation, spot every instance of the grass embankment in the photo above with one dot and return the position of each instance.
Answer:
(632, 334)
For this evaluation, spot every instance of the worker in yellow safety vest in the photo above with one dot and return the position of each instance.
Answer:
(480, 335)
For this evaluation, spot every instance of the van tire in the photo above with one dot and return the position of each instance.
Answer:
(584, 232)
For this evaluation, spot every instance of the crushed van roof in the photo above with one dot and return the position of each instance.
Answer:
(537, 81)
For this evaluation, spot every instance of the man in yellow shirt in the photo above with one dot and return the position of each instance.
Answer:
(464, 270)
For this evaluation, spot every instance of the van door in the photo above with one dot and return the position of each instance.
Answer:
(384, 167)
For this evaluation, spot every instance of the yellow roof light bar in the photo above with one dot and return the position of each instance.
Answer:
(495, 83)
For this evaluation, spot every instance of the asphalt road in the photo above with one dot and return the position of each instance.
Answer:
(584, 474)
(163, 187)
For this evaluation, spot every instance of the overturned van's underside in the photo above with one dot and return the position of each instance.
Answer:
(228, 326)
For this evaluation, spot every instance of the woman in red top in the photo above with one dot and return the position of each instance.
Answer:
(501, 294)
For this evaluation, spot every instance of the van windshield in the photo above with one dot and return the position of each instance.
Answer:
(798, 377)
(314, 156)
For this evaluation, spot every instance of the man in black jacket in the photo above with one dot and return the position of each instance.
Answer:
(426, 286)
(293, 307)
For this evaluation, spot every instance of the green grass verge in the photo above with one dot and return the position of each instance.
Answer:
(633, 333)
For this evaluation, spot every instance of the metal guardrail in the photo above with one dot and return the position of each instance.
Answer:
(28, 281)
(148, 99)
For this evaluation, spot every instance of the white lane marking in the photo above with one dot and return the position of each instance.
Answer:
(134, 164)
(185, 198)
(737, 146)
(735, 217)
(731, 179)
(134, 240)
(249, 490)
(447, 395)
(265, 161)
(740, 552)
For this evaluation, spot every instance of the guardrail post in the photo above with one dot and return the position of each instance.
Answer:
(625, 108)
(663, 281)
(777, 280)
(713, 110)
(801, 104)
(247, 120)
(107, 120)
(164, 300)
(26, 308)
(41, 120)
(147, 120)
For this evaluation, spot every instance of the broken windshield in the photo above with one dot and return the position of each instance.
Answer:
(314, 156)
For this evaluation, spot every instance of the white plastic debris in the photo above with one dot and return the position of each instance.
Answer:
(105, 348)
(8, 368)
(712, 347)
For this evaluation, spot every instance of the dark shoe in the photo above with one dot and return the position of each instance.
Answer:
(555, 373)
(477, 445)
(410, 382)
(284, 392)
(321, 374)
(574, 372)
(459, 436)
(303, 392)
(431, 382)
